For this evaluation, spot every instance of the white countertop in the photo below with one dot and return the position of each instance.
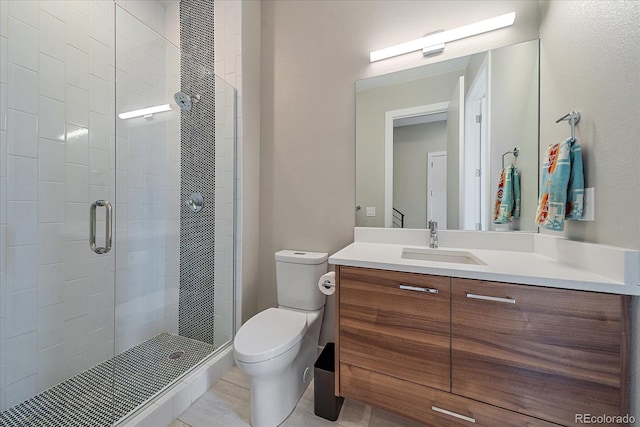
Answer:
(532, 264)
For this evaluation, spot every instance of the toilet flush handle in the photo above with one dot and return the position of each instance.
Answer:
(306, 375)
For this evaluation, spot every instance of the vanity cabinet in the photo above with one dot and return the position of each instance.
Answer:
(477, 352)
(548, 353)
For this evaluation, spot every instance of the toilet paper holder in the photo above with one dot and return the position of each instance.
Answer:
(328, 284)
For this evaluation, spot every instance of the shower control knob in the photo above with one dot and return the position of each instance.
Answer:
(195, 202)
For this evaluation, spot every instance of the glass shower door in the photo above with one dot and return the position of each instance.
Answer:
(148, 181)
(58, 158)
(150, 352)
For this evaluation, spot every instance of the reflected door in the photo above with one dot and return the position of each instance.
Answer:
(437, 188)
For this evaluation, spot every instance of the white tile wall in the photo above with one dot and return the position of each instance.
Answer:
(77, 105)
(24, 171)
(23, 44)
(21, 267)
(51, 326)
(51, 123)
(50, 284)
(22, 90)
(77, 68)
(77, 145)
(51, 162)
(51, 35)
(25, 217)
(52, 77)
(228, 65)
(23, 135)
(224, 203)
(25, 11)
(55, 8)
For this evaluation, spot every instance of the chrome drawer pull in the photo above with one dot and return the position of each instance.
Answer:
(416, 288)
(488, 298)
(453, 414)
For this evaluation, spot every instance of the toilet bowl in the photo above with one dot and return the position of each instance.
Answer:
(270, 339)
(277, 347)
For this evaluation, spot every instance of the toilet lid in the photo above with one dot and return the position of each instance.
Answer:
(269, 334)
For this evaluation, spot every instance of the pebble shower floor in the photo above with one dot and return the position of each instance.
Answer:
(102, 395)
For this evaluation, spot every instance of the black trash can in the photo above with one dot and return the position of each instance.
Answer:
(325, 403)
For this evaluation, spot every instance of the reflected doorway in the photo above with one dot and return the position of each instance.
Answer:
(437, 188)
(413, 142)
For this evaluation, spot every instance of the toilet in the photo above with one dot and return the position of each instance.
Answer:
(277, 347)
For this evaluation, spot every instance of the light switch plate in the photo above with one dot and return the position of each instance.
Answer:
(371, 211)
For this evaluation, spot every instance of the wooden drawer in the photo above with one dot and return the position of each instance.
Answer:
(399, 332)
(548, 353)
(432, 407)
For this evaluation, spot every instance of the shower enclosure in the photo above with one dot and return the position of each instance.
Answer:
(116, 205)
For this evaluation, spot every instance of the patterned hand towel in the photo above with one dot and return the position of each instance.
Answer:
(507, 204)
(562, 186)
(499, 195)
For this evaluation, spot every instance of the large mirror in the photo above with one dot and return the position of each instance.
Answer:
(436, 142)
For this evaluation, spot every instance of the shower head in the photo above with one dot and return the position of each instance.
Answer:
(184, 101)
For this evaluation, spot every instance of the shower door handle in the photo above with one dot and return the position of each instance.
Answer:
(107, 229)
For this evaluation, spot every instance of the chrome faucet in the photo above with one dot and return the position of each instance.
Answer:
(433, 234)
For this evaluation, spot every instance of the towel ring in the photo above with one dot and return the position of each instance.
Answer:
(515, 153)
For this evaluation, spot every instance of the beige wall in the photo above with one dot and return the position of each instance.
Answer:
(593, 68)
(313, 52)
(589, 61)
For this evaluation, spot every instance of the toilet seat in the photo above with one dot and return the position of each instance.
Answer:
(268, 334)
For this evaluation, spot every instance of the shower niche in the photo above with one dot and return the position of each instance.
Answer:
(97, 124)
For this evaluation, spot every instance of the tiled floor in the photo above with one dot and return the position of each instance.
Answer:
(110, 390)
(226, 404)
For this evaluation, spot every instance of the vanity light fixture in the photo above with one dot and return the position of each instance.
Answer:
(434, 43)
(146, 112)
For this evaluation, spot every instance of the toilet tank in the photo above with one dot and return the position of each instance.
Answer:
(297, 274)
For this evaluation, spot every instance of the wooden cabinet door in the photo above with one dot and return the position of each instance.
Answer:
(548, 353)
(397, 324)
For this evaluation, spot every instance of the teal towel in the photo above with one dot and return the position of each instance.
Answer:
(507, 204)
(575, 195)
(561, 186)
(516, 192)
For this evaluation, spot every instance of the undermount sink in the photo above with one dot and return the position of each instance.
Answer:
(441, 255)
